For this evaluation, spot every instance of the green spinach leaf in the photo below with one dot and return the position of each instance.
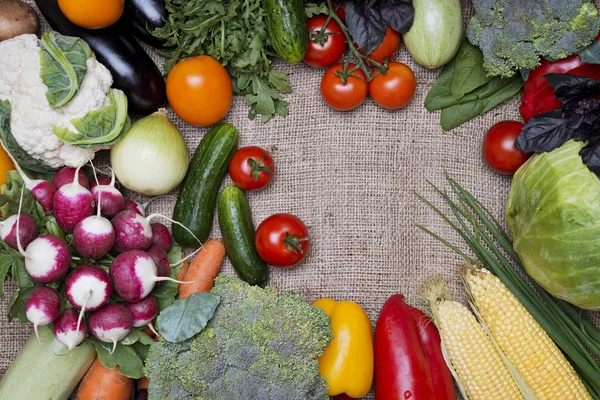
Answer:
(439, 95)
(103, 127)
(63, 66)
(469, 73)
(187, 317)
(25, 160)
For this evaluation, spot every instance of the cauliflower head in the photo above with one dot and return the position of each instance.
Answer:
(32, 119)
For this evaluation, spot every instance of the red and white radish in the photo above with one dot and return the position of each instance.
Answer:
(72, 204)
(94, 236)
(109, 197)
(103, 180)
(161, 259)
(66, 175)
(111, 323)
(161, 236)
(43, 191)
(47, 258)
(42, 307)
(136, 207)
(67, 329)
(134, 275)
(143, 311)
(88, 288)
(28, 230)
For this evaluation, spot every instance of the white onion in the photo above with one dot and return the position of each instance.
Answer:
(152, 158)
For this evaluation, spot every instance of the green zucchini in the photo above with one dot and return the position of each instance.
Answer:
(46, 371)
(195, 206)
(235, 221)
(286, 25)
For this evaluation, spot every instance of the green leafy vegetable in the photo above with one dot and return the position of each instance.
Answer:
(469, 73)
(237, 39)
(23, 158)
(167, 291)
(10, 197)
(461, 98)
(16, 305)
(63, 66)
(130, 363)
(187, 317)
(103, 127)
(312, 9)
(137, 336)
(591, 54)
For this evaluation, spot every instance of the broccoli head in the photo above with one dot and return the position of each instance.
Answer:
(258, 345)
(514, 34)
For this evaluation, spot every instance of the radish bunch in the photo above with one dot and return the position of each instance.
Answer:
(101, 221)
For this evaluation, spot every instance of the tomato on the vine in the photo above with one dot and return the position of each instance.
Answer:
(344, 89)
(387, 48)
(282, 240)
(498, 148)
(340, 10)
(251, 168)
(395, 88)
(325, 46)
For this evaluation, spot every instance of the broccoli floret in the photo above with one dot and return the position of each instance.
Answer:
(258, 345)
(515, 34)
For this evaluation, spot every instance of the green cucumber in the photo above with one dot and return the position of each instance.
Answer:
(286, 25)
(195, 206)
(235, 221)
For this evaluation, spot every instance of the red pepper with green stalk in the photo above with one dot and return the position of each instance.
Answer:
(538, 95)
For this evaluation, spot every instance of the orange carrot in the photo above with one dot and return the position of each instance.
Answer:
(142, 383)
(101, 383)
(203, 269)
(184, 267)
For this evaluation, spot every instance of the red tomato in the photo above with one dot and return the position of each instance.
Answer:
(387, 48)
(340, 95)
(340, 10)
(282, 240)
(395, 88)
(334, 43)
(251, 168)
(498, 148)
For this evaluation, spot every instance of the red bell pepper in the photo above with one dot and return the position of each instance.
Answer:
(538, 95)
(401, 367)
(443, 383)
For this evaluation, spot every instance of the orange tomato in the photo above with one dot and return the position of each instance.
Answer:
(199, 90)
(6, 165)
(92, 14)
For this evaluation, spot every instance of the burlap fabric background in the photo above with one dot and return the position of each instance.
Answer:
(351, 178)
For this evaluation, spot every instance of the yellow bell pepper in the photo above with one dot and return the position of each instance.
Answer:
(347, 363)
(6, 165)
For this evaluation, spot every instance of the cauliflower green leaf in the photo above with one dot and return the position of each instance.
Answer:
(63, 66)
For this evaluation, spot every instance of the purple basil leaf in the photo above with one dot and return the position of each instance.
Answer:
(365, 24)
(590, 155)
(544, 133)
(398, 14)
(569, 87)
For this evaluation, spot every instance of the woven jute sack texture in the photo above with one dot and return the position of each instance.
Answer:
(352, 178)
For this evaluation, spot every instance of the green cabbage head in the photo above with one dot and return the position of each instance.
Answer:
(553, 213)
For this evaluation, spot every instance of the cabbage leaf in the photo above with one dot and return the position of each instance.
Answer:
(103, 127)
(63, 66)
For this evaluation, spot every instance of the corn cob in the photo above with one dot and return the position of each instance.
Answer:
(522, 340)
(474, 358)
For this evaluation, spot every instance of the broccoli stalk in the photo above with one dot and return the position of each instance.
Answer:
(258, 345)
(514, 34)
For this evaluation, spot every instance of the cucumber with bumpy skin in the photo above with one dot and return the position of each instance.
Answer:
(195, 206)
(235, 221)
(286, 25)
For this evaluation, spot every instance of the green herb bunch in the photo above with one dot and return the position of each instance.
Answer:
(234, 32)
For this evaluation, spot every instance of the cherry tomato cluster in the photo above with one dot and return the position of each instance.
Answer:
(345, 86)
(281, 240)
